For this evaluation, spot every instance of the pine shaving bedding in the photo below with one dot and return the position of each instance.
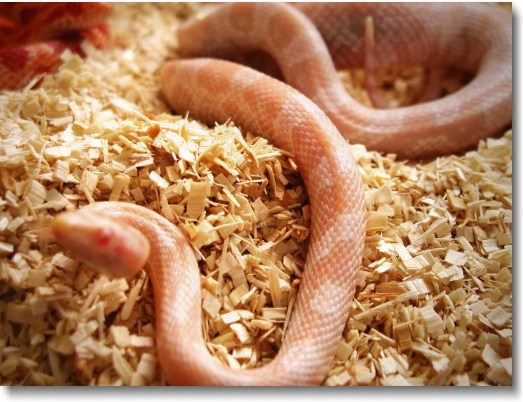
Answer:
(434, 297)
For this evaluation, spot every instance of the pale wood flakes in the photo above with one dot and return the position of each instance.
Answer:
(434, 295)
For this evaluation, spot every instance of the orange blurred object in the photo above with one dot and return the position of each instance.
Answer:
(33, 36)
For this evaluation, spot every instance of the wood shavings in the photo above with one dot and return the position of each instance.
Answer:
(433, 303)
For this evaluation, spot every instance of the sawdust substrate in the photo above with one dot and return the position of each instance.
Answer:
(434, 295)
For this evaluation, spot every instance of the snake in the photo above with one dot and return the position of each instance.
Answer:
(338, 217)
(310, 116)
(34, 35)
(312, 41)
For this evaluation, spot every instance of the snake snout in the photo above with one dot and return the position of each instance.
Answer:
(107, 245)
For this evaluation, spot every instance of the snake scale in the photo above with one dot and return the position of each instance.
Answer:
(309, 117)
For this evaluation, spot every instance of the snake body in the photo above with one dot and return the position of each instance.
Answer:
(216, 90)
(34, 35)
(336, 241)
(310, 41)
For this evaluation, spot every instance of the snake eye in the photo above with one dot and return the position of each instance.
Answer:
(103, 236)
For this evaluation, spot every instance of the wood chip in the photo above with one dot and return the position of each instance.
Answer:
(433, 299)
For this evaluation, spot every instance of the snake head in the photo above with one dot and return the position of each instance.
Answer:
(105, 244)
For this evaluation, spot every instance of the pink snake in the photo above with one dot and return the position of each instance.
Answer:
(107, 234)
(312, 41)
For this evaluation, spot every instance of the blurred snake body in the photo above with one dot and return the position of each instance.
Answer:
(307, 46)
(34, 35)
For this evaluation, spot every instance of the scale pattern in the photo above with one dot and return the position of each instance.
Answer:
(310, 41)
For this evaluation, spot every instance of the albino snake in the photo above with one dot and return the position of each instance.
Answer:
(109, 234)
(308, 49)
